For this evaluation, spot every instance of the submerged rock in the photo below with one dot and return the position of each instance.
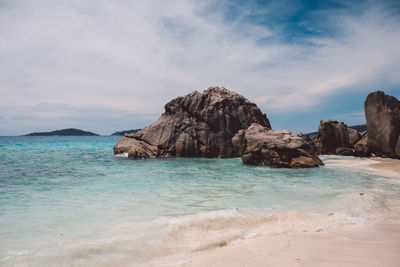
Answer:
(196, 125)
(382, 113)
(259, 145)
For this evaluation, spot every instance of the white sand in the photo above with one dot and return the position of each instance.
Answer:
(386, 164)
(373, 244)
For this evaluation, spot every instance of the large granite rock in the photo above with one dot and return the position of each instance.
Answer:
(196, 125)
(332, 135)
(382, 113)
(259, 145)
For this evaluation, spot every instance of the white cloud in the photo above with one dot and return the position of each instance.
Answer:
(137, 55)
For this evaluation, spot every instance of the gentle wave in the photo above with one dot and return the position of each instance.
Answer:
(122, 155)
(173, 240)
(177, 239)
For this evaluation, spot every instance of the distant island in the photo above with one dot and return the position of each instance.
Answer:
(64, 132)
(123, 132)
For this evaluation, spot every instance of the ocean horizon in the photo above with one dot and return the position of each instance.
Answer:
(68, 201)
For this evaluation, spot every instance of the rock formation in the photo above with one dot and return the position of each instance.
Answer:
(344, 151)
(259, 145)
(354, 136)
(361, 148)
(332, 135)
(196, 125)
(336, 138)
(382, 113)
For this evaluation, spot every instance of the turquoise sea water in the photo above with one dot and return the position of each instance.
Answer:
(68, 201)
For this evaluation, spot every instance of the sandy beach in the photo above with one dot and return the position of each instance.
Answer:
(387, 164)
(374, 244)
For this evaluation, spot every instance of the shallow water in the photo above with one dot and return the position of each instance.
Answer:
(70, 201)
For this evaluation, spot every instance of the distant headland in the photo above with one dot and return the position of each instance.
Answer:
(123, 132)
(64, 132)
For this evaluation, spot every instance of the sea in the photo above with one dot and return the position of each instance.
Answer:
(68, 201)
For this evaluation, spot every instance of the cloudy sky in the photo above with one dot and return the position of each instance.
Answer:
(109, 65)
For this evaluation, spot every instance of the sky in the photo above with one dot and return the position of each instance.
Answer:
(104, 66)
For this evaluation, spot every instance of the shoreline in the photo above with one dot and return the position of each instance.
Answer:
(376, 243)
(386, 164)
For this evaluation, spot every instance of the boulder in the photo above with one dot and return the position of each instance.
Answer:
(259, 145)
(382, 113)
(317, 143)
(135, 148)
(361, 147)
(332, 135)
(196, 125)
(345, 151)
(354, 136)
(334, 140)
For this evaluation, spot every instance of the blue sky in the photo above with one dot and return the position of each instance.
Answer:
(104, 65)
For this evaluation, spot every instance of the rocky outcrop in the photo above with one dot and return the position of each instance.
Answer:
(337, 139)
(332, 135)
(361, 147)
(317, 142)
(259, 145)
(135, 148)
(345, 151)
(196, 125)
(354, 136)
(382, 113)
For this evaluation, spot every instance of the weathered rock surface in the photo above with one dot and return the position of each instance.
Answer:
(317, 142)
(345, 151)
(361, 147)
(382, 113)
(259, 145)
(332, 135)
(196, 125)
(354, 136)
(135, 148)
